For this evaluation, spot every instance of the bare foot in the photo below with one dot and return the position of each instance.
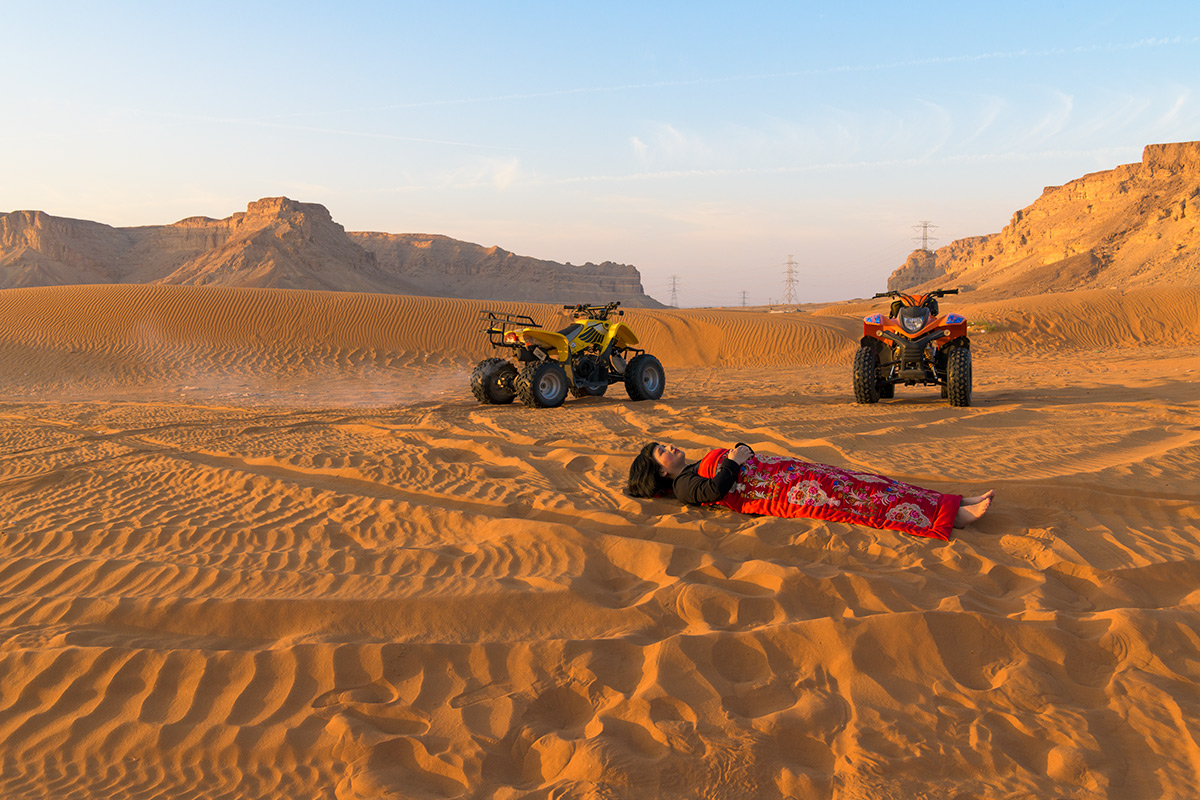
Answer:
(972, 508)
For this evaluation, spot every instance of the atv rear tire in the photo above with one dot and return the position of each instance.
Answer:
(886, 390)
(866, 376)
(958, 376)
(543, 385)
(493, 381)
(644, 378)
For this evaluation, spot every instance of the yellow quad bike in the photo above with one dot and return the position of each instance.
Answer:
(584, 358)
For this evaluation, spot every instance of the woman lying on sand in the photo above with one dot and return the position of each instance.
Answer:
(788, 487)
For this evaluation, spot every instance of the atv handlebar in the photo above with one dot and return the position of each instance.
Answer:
(934, 293)
(594, 312)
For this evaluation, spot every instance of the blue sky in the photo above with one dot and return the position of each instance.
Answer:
(707, 141)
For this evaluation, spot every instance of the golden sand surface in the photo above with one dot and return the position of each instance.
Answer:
(265, 544)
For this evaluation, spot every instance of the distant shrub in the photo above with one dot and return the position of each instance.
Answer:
(983, 326)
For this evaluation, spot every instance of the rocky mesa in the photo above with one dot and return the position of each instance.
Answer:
(1135, 225)
(445, 267)
(279, 243)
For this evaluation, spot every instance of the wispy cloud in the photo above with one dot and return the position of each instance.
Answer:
(1120, 112)
(1109, 47)
(1181, 101)
(938, 124)
(465, 179)
(1054, 120)
(640, 151)
(668, 144)
(499, 173)
(993, 107)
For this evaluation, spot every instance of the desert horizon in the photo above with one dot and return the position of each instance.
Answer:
(1131, 226)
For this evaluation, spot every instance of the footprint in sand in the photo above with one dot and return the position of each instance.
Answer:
(561, 708)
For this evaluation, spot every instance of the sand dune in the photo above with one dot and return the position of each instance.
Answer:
(328, 345)
(131, 335)
(265, 544)
(1103, 318)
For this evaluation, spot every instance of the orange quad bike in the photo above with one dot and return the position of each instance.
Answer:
(913, 345)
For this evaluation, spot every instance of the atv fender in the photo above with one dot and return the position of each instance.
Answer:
(884, 353)
(549, 341)
(958, 341)
(620, 337)
(871, 341)
(956, 327)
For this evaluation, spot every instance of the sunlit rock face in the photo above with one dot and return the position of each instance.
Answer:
(1135, 225)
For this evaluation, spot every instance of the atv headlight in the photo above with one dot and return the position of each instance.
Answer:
(913, 324)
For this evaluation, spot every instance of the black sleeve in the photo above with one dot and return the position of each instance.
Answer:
(692, 489)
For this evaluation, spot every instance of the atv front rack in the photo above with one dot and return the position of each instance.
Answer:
(501, 322)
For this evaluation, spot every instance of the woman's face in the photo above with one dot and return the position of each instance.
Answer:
(670, 458)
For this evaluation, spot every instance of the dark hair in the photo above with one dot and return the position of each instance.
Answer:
(645, 475)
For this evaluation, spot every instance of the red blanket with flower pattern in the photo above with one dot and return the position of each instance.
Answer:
(788, 487)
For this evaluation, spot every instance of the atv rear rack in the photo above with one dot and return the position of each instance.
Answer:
(501, 322)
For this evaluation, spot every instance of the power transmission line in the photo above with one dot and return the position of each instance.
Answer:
(923, 226)
(675, 291)
(789, 282)
(743, 298)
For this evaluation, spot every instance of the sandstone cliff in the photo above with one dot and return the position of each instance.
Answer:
(282, 243)
(1135, 225)
(448, 268)
(37, 249)
(276, 244)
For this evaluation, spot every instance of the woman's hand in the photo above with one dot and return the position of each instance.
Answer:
(739, 454)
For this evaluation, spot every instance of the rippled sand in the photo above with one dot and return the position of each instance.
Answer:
(266, 545)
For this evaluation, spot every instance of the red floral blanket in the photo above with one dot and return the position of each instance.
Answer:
(788, 487)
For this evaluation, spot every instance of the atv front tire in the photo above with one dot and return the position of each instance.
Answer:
(493, 381)
(958, 377)
(644, 378)
(543, 385)
(866, 376)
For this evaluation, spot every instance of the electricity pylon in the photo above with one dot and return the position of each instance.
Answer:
(789, 282)
(923, 226)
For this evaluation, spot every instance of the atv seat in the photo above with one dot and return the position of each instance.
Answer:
(571, 330)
